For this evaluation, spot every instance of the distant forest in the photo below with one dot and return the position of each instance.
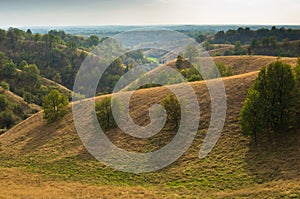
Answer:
(274, 41)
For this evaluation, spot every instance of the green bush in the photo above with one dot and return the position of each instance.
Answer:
(4, 103)
(104, 113)
(55, 105)
(4, 85)
(173, 111)
(270, 103)
(7, 119)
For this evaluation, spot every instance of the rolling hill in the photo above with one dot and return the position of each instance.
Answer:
(239, 64)
(36, 155)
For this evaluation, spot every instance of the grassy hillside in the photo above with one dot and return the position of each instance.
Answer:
(239, 64)
(15, 99)
(243, 64)
(15, 110)
(51, 157)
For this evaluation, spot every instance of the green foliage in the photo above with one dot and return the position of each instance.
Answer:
(104, 113)
(31, 77)
(191, 74)
(173, 111)
(58, 56)
(297, 70)
(201, 38)
(179, 61)
(7, 67)
(270, 102)
(225, 71)
(237, 50)
(4, 85)
(246, 36)
(4, 103)
(7, 119)
(93, 40)
(55, 106)
(251, 116)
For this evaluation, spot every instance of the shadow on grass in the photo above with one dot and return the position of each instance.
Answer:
(276, 159)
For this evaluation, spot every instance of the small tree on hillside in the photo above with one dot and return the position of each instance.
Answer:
(104, 112)
(270, 102)
(55, 105)
(179, 61)
(173, 111)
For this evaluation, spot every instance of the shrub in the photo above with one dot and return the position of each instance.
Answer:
(7, 119)
(4, 103)
(4, 85)
(104, 113)
(173, 111)
(55, 105)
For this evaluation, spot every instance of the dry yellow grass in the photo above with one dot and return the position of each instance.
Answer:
(246, 64)
(15, 183)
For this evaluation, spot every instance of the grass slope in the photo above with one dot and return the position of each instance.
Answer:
(235, 168)
(15, 99)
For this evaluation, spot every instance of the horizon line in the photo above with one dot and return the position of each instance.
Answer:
(140, 25)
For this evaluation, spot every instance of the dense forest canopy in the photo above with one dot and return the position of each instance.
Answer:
(246, 35)
(59, 55)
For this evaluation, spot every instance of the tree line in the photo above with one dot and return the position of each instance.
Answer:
(246, 35)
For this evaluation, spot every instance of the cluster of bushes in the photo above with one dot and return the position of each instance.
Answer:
(237, 50)
(53, 37)
(273, 42)
(270, 46)
(272, 103)
(107, 121)
(24, 80)
(192, 74)
(10, 113)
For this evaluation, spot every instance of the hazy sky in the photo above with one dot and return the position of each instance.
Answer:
(137, 12)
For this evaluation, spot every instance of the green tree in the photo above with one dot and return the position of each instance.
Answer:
(4, 85)
(93, 40)
(7, 67)
(179, 61)
(7, 119)
(55, 105)
(270, 103)
(31, 77)
(201, 38)
(4, 103)
(172, 107)
(104, 113)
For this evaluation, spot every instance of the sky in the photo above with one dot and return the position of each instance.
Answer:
(20, 13)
